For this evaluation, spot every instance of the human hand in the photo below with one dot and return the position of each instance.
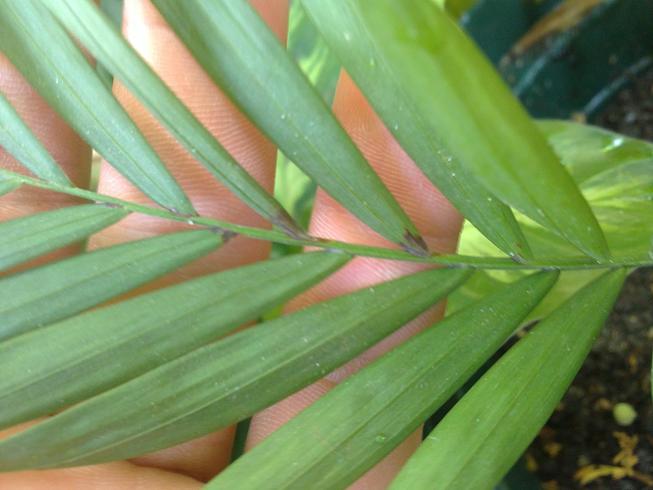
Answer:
(190, 464)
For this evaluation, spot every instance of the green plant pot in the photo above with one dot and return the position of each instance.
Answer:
(570, 64)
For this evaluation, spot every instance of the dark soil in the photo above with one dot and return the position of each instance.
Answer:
(583, 430)
(631, 111)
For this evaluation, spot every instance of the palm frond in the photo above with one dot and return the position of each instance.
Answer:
(145, 373)
(81, 98)
(226, 381)
(371, 413)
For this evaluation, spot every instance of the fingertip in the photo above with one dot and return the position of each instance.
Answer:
(436, 219)
(151, 36)
(65, 146)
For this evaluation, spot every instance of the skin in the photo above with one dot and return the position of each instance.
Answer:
(188, 465)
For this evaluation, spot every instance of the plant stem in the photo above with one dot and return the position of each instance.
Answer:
(452, 260)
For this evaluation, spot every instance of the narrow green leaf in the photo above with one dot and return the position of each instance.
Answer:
(413, 124)
(292, 187)
(226, 381)
(369, 414)
(238, 51)
(471, 112)
(22, 239)
(71, 86)
(39, 372)
(102, 39)
(72, 285)
(17, 138)
(8, 185)
(487, 431)
(113, 10)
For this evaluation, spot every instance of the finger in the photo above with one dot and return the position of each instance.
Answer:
(435, 217)
(439, 224)
(68, 149)
(201, 458)
(112, 476)
(146, 30)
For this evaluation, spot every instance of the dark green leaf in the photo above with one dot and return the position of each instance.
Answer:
(104, 41)
(470, 111)
(71, 86)
(239, 52)
(226, 381)
(413, 124)
(23, 239)
(369, 414)
(39, 373)
(487, 431)
(72, 285)
(18, 139)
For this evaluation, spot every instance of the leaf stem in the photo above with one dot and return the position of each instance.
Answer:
(452, 260)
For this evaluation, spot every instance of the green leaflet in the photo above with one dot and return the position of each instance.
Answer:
(414, 124)
(113, 10)
(247, 61)
(22, 239)
(72, 285)
(369, 414)
(226, 381)
(619, 185)
(71, 86)
(487, 431)
(39, 372)
(103, 40)
(475, 117)
(18, 139)
(292, 187)
(8, 185)
(615, 173)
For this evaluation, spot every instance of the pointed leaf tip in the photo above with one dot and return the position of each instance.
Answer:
(246, 60)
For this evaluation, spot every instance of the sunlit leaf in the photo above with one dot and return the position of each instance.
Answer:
(22, 239)
(369, 414)
(470, 111)
(413, 123)
(71, 86)
(487, 431)
(72, 285)
(588, 150)
(238, 51)
(226, 381)
(456, 8)
(615, 173)
(39, 372)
